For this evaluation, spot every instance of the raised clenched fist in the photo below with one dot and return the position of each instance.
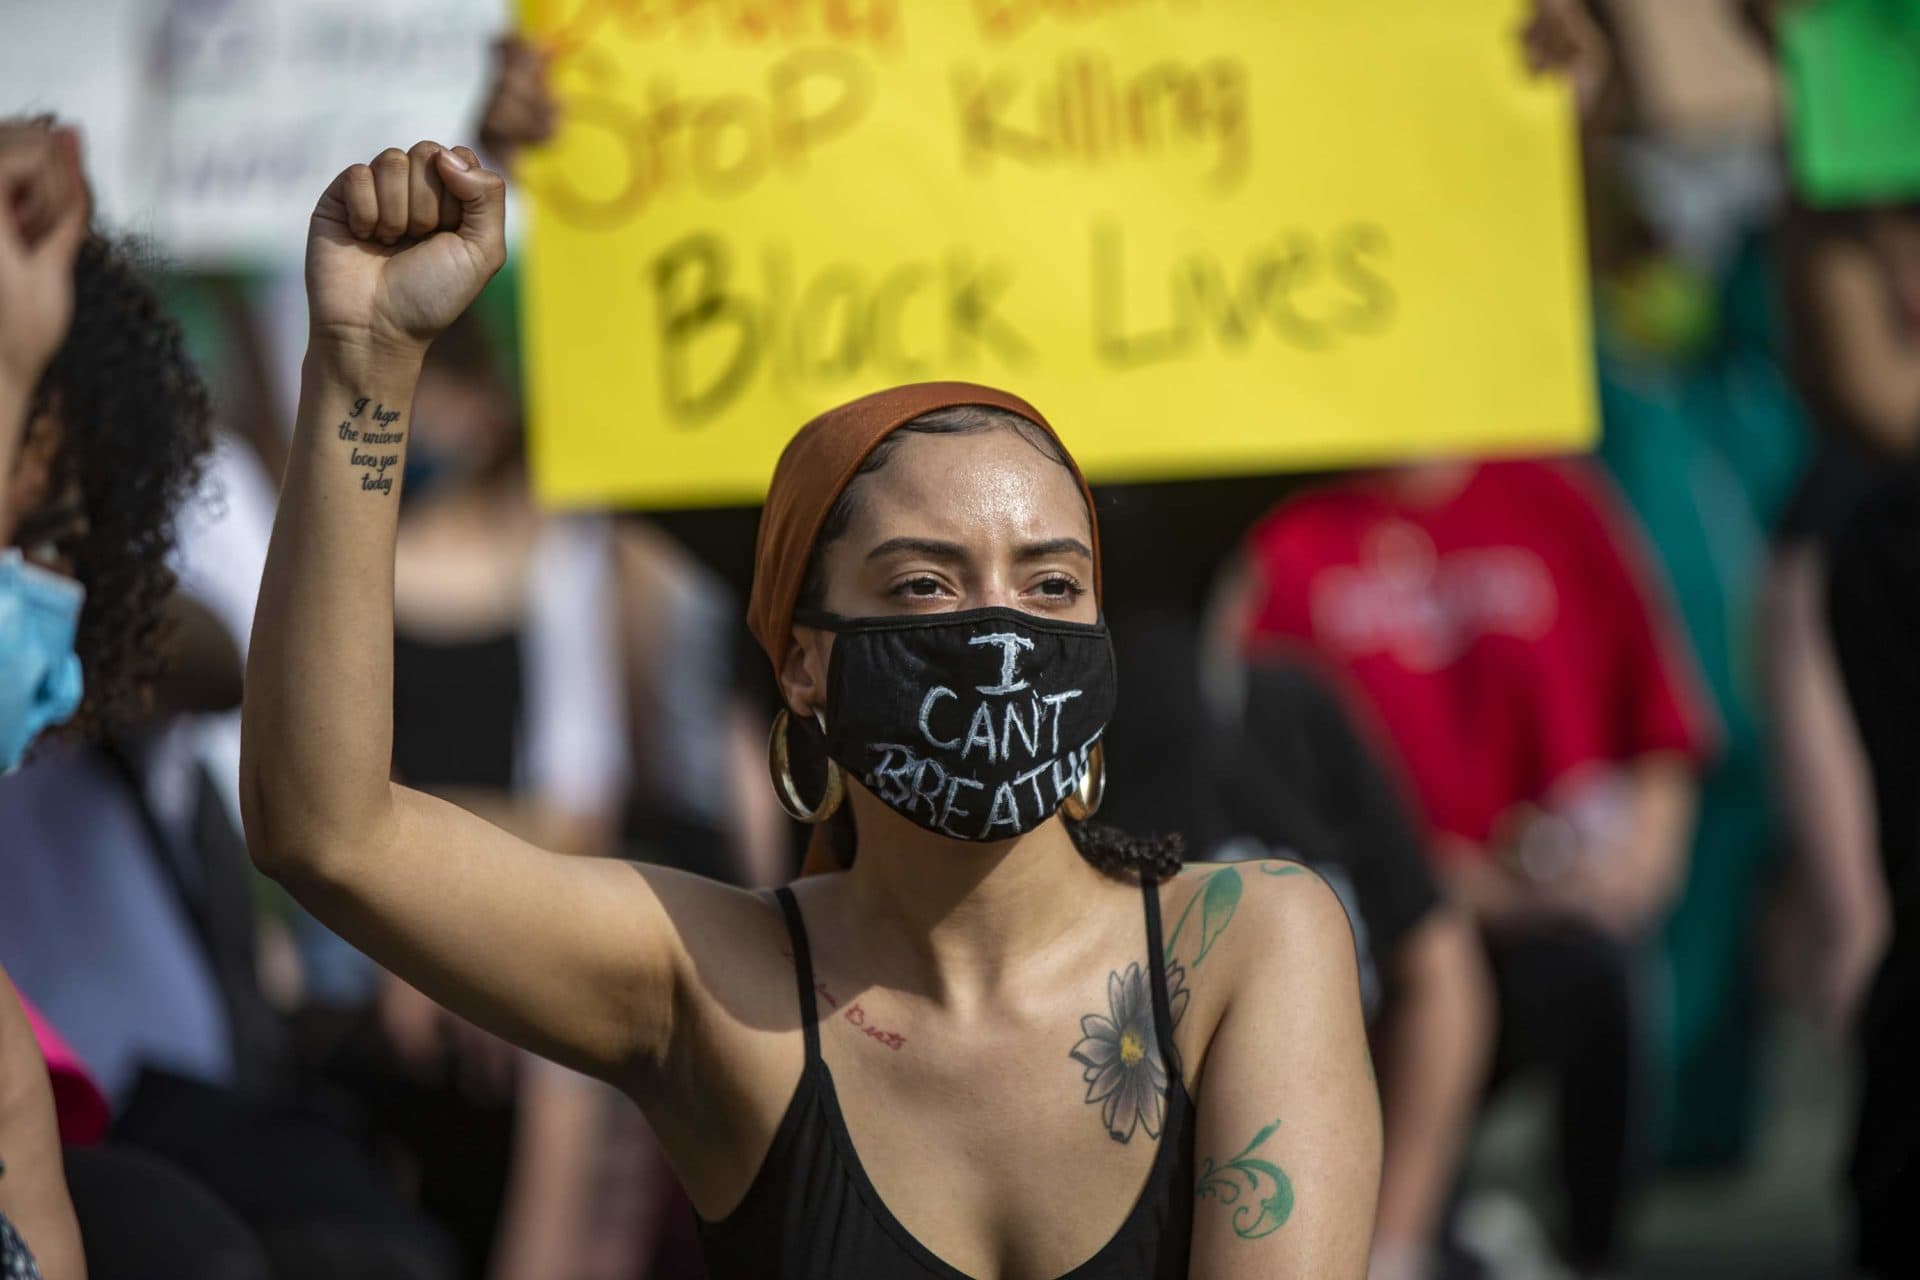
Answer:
(1561, 35)
(399, 247)
(43, 218)
(520, 107)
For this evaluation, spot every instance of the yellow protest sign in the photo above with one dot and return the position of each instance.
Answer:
(1204, 236)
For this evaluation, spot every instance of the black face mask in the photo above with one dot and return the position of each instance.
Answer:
(975, 725)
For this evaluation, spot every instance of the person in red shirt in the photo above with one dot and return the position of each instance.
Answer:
(1499, 626)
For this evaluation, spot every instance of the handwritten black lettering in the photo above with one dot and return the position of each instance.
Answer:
(1311, 292)
(1088, 113)
(1005, 19)
(851, 22)
(719, 145)
(373, 466)
(719, 330)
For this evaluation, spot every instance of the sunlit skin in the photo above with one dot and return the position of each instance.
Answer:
(43, 216)
(983, 948)
(950, 523)
(982, 965)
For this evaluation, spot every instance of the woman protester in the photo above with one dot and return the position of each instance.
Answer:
(99, 438)
(38, 167)
(990, 1039)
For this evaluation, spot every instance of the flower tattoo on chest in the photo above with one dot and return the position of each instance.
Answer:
(1127, 1073)
(1119, 1052)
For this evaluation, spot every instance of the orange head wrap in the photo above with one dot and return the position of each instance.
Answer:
(816, 468)
(814, 471)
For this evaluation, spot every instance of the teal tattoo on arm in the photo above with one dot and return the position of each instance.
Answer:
(1251, 1219)
(1217, 898)
(1118, 1052)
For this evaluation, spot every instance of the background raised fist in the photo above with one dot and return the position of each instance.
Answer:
(399, 247)
(520, 108)
(43, 217)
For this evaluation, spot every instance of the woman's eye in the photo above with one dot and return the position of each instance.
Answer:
(1061, 588)
(920, 588)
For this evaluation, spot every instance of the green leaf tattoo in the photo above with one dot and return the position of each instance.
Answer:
(1251, 1219)
(1221, 896)
(1217, 899)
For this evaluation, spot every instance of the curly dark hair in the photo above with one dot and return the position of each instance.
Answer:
(134, 421)
(1117, 853)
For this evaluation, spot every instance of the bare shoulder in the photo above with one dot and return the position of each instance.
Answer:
(1251, 910)
(716, 1099)
(1271, 931)
(1299, 906)
(732, 943)
(1288, 1116)
(734, 1005)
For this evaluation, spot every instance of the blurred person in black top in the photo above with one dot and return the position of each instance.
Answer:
(1263, 759)
(1853, 281)
(1875, 612)
(1848, 604)
(1857, 294)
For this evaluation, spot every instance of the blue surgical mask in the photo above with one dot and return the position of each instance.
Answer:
(39, 671)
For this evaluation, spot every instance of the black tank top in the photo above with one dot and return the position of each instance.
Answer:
(812, 1213)
(457, 710)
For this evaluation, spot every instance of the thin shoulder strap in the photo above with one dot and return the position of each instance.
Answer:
(1157, 972)
(802, 972)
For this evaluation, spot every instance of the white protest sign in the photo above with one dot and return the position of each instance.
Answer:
(213, 125)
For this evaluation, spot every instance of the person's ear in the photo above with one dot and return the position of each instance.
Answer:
(803, 673)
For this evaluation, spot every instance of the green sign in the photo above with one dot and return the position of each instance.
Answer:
(1853, 88)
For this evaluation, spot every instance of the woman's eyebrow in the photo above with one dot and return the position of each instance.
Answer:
(932, 548)
(1055, 547)
(935, 549)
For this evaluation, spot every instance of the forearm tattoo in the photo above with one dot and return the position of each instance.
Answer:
(373, 437)
(1239, 1183)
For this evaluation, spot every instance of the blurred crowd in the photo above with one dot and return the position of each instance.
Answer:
(1610, 757)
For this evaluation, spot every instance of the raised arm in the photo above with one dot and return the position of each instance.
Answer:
(575, 958)
(43, 217)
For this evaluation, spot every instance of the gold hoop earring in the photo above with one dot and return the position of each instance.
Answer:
(1086, 798)
(781, 767)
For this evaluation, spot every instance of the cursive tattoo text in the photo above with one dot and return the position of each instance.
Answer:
(373, 438)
